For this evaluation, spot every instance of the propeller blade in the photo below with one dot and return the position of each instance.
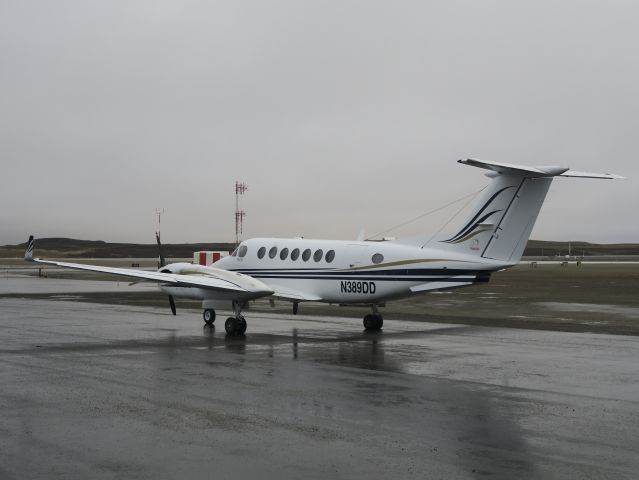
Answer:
(160, 250)
(172, 303)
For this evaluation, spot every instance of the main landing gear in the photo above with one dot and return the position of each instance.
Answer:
(373, 321)
(236, 325)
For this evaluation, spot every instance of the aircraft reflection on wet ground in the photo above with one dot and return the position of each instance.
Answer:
(308, 397)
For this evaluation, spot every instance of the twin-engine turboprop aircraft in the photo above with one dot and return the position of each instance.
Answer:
(492, 238)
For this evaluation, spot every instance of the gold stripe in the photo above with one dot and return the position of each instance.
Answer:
(404, 262)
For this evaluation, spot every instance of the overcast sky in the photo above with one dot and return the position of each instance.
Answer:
(339, 115)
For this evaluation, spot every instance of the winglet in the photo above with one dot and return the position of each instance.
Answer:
(28, 255)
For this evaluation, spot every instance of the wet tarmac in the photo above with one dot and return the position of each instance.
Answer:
(116, 391)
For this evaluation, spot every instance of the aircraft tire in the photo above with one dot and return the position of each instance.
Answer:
(229, 325)
(209, 316)
(369, 322)
(373, 322)
(235, 326)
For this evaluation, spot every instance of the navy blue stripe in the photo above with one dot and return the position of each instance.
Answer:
(386, 279)
(523, 180)
(327, 269)
(461, 235)
(448, 272)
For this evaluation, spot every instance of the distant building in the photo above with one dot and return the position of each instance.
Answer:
(208, 257)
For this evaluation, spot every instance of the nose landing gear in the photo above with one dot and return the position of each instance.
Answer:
(209, 316)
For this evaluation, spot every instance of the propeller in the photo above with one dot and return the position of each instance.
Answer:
(160, 250)
(172, 303)
(162, 264)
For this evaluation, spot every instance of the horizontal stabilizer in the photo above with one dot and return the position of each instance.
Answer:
(522, 170)
(535, 172)
(605, 176)
(432, 286)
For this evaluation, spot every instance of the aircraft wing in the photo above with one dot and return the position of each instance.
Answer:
(171, 278)
(289, 294)
(177, 280)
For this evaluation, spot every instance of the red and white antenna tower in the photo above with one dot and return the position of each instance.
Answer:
(240, 189)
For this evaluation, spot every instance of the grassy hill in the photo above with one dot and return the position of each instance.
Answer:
(72, 248)
(548, 248)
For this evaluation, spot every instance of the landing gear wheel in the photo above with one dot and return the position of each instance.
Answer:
(369, 322)
(229, 325)
(235, 326)
(209, 316)
(373, 322)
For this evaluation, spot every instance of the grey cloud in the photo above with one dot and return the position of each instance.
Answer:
(339, 115)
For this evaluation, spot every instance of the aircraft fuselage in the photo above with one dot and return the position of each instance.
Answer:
(354, 272)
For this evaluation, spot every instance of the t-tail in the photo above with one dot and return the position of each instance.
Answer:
(502, 219)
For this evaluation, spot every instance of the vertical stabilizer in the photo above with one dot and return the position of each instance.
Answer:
(510, 236)
(501, 221)
(28, 254)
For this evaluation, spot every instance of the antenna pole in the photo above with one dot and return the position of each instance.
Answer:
(240, 189)
(159, 213)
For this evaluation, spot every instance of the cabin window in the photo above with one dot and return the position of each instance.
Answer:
(272, 252)
(242, 251)
(378, 258)
(318, 255)
(306, 255)
(261, 252)
(284, 254)
(295, 254)
(330, 255)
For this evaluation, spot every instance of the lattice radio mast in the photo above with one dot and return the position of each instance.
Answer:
(159, 213)
(240, 189)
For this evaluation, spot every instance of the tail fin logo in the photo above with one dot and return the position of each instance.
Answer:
(468, 231)
(28, 255)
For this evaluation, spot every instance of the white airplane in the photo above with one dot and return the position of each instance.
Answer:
(345, 272)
